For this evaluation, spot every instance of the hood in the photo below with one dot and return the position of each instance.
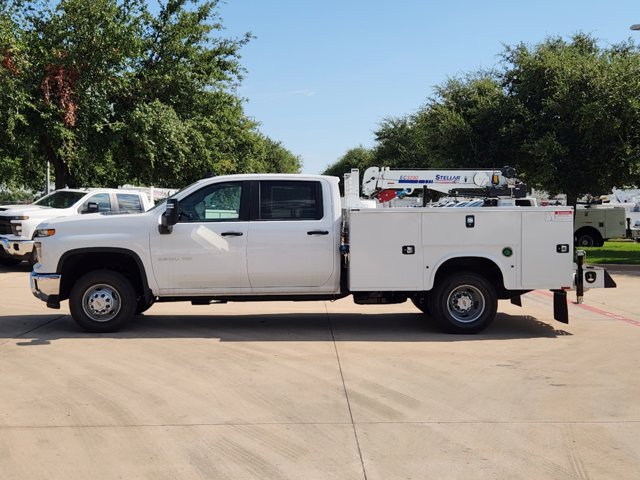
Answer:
(99, 223)
(18, 210)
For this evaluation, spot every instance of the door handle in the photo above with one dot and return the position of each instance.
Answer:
(231, 234)
(318, 232)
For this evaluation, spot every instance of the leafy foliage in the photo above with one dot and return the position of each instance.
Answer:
(359, 157)
(566, 114)
(110, 93)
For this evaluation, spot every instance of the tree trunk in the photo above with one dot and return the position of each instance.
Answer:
(60, 169)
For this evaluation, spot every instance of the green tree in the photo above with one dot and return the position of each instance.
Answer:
(577, 111)
(400, 144)
(16, 152)
(466, 124)
(566, 114)
(359, 157)
(109, 93)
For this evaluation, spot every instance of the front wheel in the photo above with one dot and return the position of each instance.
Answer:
(464, 303)
(102, 301)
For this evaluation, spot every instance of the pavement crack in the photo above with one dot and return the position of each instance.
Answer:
(346, 393)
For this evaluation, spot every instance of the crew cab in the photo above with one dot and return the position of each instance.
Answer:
(18, 222)
(257, 237)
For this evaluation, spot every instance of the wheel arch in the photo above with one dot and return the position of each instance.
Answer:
(75, 263)
(483, 266)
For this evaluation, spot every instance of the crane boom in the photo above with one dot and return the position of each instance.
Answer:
(481, 182)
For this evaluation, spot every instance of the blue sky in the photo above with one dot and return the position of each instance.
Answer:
(322, 75)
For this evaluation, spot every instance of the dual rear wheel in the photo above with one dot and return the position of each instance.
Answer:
(462, 302)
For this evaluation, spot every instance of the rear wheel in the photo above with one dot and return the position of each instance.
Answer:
(102, 301)
(463, 303)
(588, 238)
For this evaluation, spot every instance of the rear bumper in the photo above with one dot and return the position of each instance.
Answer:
(592, 277)
(17, 248)
(46, 287)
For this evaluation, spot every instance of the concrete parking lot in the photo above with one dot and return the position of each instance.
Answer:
(321, 391)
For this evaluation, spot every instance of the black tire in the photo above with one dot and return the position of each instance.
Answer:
(7, 261)
(463, 302)
(102, 301)
(588, 239)
(421, 303)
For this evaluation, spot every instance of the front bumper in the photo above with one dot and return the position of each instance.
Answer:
(46, 287)
(17, 248)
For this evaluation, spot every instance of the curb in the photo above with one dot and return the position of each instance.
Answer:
(620, 268)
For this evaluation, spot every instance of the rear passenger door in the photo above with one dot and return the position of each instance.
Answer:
(291, 240)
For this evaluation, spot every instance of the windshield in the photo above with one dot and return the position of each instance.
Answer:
(60, 199)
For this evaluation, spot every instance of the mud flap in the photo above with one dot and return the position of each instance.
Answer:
(516, 301)
(608, 281)
(560, 309)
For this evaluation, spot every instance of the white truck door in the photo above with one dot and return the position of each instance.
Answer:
(292, 238)
(206, 251)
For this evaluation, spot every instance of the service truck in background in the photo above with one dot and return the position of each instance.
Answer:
(260, 237)
(594, 224)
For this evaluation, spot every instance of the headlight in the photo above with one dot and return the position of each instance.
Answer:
(16, 229)
(21, 217)
(45, 232)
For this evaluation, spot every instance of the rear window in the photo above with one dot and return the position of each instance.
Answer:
(290, 200)
(129, 203)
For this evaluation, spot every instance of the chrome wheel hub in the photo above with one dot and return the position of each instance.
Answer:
(101, 303)
(466, 304)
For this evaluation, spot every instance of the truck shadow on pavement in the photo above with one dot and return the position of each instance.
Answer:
(32, 330)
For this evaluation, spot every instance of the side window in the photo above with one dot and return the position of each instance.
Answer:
(102, 199)
(129, 203)
(219, 202)
(290, 200)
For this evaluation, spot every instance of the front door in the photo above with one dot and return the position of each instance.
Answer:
(206, 251)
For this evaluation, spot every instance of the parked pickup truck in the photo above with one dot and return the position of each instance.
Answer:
(18, 222)
(287, 237)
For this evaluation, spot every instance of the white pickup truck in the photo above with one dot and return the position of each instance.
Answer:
(18, 222)
(287, 237)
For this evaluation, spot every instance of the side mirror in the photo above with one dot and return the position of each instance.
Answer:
(169, 217)
(92, 207)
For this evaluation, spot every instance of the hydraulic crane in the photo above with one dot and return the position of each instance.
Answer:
(386, 184)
